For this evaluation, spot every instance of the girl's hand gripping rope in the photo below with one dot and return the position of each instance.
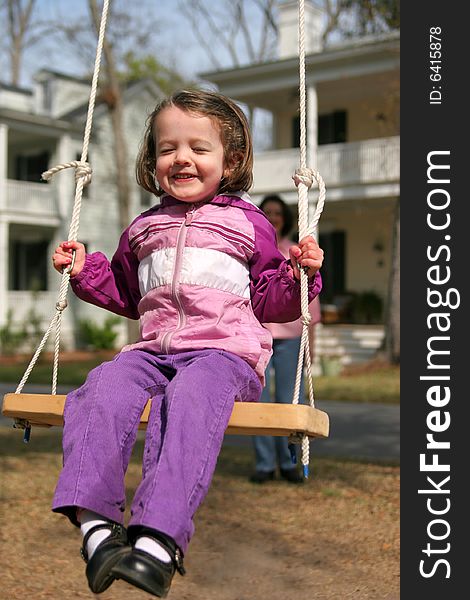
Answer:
(69, 255)
(307, 255)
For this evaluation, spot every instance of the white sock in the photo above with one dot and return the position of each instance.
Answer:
(89, 519)
(152, 547)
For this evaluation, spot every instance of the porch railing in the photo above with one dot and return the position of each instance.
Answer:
(31, 198)
(23, 302)
(365, 162)
(351, 343)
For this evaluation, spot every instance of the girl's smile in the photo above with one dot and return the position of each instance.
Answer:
(190, 156)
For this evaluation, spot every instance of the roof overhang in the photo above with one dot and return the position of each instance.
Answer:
(256, 84)
(20, 120)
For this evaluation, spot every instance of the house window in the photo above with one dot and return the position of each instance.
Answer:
(296, 132)
(332, 128)
(29, 262)
(333, 270)
(30, 167)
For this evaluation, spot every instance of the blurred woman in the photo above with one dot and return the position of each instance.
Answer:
(273, 452)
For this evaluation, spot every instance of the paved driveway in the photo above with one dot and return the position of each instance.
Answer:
(365, 431)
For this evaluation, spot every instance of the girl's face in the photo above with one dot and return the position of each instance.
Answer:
(190, 155)
(273, 211)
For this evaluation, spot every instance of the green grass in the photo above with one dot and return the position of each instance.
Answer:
(366, 383)
(70, 373)
(377, 385)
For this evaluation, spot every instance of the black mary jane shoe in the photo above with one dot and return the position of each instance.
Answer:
(292, 475)
(146, 572)
(107, 554)
(262, 476)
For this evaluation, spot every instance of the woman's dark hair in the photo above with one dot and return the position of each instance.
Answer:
(287, 215)
(234, 132)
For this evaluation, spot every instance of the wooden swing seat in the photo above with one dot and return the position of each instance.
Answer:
(248, 418)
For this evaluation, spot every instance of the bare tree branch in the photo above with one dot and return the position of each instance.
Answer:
(267, 8)
(220, 27)
(269, 25)
(230, 26)
(333, 11)
(19, 20)
(247, 35)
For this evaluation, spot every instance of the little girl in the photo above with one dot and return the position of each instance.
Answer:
(201, 271)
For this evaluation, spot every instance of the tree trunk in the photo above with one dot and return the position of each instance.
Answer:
(19, 21)
(392, 335)
(116, 113)
(15, 62)
(112, 96)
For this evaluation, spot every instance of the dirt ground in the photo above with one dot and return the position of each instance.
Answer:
(334, 537)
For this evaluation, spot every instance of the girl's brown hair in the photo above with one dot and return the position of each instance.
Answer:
(234, 133)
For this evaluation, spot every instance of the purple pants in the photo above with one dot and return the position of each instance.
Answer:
(192, 399)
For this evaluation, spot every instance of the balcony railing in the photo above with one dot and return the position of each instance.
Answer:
(365, 162)
(353, 343)
(41, 306)
(23, 302)
(31, 198)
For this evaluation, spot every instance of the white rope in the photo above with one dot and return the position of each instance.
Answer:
(303, 179)
(82, 177)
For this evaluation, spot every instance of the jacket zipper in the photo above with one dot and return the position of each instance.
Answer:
(180, 244)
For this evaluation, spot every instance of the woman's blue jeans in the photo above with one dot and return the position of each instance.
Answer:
(272, 451)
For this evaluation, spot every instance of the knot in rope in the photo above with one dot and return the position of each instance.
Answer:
(306, 319)
(303, 175)
(83, 171)
(61, 305)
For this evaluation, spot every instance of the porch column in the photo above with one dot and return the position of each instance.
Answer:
(312, 140)
(3, 225)
(65, 183)
(3, 269)
(312, 126)
(3, 164)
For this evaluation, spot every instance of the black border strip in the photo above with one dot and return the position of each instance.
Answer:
(434, 252)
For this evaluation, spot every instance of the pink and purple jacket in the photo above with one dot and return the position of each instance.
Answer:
(198, 276)
(292, 329)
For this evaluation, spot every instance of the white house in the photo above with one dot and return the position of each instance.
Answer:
(352, 140)
(352, 95)
(41, 128)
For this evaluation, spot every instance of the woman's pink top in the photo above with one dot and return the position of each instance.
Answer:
(283, 331)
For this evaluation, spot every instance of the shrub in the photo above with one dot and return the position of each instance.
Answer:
(98, 337)
(34, 327)
(367, 307)
(11, 337)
